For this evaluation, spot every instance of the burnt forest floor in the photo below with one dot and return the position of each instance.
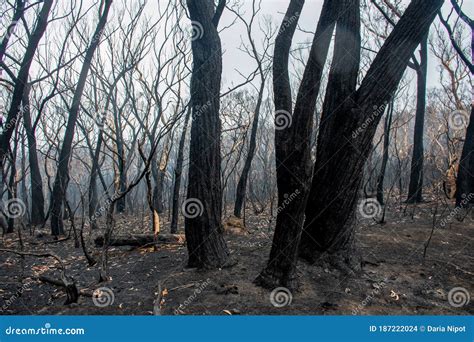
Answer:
(395, 279)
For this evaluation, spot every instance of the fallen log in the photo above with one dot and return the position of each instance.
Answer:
(141, 240)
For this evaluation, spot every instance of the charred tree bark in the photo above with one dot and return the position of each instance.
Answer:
(293, 141)
(37, 196)
(415, 188)
(386, 145)
(465, 180)
(12, 187)
(93, 198)
(204, 231)
(339, 100)
(242, 184)
(177, 175)
(343, 147)
(62, 174)
(122, 172)
(22, 79)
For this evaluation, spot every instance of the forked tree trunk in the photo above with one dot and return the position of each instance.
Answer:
(203, 227)
(62, 174)
(340, 156)
(338, 102)
(415, 188)
(177, 175)
(293, 141)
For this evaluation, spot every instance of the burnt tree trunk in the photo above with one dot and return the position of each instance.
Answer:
(121, 183)
(415, 188)
(93, 196)
(465, 180)
(12, 187)
(204, 231)
(293, 141)
(338, 102)
(177, 175)
(386, 145)
(62, 174)
(37, 196)
(22, 79)
(341, 154)
(242, 184)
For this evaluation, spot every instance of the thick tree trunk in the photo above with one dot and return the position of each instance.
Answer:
(22, 79)
(386, 145)
(293, 141)
(465, 180)
(343, 146)
(177, 175)
(37, 196)
(415, 187)
(62, 174)
(204, 231)
(339, 99)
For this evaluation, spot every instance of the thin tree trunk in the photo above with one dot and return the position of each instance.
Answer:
(19, 10)
(415, 187)
(177, 175)
(465, 180)
(62, 175)
(37, 196)
(386, 145)
(242, 184)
